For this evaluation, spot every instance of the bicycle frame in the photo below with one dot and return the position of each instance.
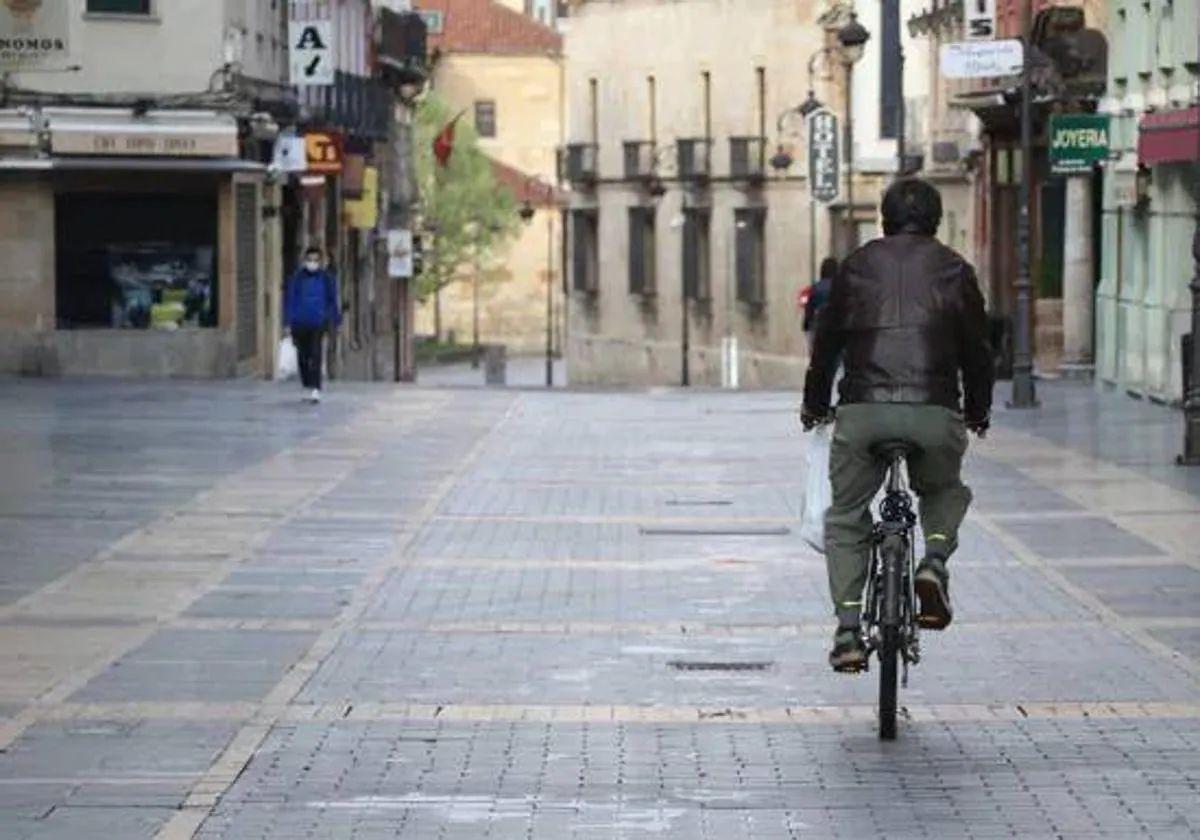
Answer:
(897, 521)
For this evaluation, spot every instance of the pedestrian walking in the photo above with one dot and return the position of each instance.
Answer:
(816, 295)
(310, 308)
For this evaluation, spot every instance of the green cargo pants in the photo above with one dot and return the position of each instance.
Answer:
(934, 471)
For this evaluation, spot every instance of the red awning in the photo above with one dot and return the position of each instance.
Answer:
(1170, 137)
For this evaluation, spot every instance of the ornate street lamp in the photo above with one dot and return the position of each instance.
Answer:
(853, 39)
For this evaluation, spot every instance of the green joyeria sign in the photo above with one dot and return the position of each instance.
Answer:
(1077, 141)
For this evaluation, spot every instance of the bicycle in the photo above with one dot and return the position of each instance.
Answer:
(889, 620)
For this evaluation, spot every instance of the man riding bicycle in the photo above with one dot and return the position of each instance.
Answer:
(906, 319)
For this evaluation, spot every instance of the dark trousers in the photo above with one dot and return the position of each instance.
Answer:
(934, 471)
(308, 352)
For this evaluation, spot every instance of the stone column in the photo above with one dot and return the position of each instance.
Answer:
(1078, 276)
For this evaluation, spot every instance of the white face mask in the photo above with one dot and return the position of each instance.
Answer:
(312, 265)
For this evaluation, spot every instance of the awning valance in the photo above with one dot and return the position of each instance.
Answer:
(120, 132)
(110, 164)
(1170, 137)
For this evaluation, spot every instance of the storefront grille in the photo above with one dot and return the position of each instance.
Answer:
(247, 270)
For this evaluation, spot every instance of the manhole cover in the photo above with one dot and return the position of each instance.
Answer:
(685, 665)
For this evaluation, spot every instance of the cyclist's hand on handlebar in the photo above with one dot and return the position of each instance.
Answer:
(979, 427)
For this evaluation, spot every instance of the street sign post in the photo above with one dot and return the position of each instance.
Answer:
(980, 20)
(1077, 142)
(823, 164)
(981, 59)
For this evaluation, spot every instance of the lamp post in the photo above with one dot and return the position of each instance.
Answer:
(1023, 390)
(1191, 404)
(527, 213)
(853, 38)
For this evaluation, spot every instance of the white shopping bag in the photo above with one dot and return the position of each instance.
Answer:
(287, 364)
(818, 492)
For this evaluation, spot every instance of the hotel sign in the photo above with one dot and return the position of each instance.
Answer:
(33, 34)
(823, 164)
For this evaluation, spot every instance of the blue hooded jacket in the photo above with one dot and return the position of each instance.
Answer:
(311, 300)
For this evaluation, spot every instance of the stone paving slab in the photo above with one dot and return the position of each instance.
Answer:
(102, 778)
(1154, 591)
(479, 668)
(215, 665)
(1039, 779)
(1079, 537)
(757, 592)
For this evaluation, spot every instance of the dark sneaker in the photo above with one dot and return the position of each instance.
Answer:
(848, 655)
(933, 590)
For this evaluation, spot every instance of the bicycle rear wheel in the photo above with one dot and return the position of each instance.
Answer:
(889, 654)
(893, 553)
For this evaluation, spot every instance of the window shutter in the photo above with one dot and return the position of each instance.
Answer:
(579, 251)
(637, 250)
(691, 256)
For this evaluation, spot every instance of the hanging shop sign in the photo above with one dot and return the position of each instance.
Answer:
(980, 24)
(33, 34)
(291, 153)
(1077, 142)
(400, 252)
(980, 59)
(323, 150)
(363, 213)
(310, 47)
(823, 163)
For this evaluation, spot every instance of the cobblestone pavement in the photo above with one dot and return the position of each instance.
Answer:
(513, 614)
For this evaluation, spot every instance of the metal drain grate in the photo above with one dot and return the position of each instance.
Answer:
(731, 531)
(699, 502)
(684, 665)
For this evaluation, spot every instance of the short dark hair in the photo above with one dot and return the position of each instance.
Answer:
(314, 249)
(829, 268)
(911, 205)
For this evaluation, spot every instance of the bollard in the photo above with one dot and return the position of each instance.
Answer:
(495, 364)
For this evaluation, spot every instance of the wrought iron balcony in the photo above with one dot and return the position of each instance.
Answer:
(356, 104)
(694, 155)
(577, 164)
(747, 158)
(639, 160)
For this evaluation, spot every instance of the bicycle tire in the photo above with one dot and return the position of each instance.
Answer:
(893, 553)
(889, 654)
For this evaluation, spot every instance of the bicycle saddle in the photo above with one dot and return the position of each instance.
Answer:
(890, 450)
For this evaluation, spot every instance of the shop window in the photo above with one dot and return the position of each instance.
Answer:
(136, 261)
(120, 7)
(485, 118)
(642, 251)
(750, 255)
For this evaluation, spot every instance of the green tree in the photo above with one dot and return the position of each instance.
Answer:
(467, 217)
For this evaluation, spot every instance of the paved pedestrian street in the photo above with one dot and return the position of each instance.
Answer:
(471, 613)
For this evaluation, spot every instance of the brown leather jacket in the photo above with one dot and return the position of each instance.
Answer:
(907, 319)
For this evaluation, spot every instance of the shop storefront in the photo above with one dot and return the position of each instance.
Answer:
(130, 245)
(1152, 207)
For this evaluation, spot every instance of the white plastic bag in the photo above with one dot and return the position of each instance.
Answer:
(287, 364)
(818, 492)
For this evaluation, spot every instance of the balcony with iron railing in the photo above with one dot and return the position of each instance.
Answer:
(694, 158)
(748, 159)
(577, 164)
(355, 104)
